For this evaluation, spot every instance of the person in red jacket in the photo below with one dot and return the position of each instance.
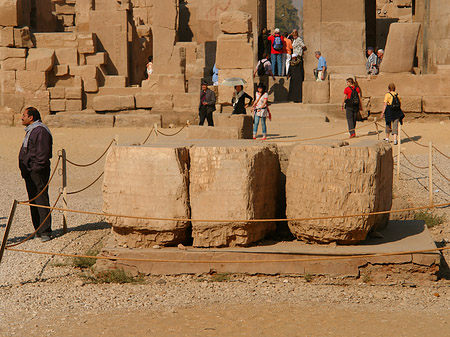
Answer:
(352, 104)
(276, 41)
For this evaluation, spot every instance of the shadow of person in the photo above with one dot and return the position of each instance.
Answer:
(279, 91)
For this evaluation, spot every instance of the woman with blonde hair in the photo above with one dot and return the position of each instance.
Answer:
(392, 112)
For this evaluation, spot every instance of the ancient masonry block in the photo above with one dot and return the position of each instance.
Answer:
(74, 104)
(161, 191)
(73, 93)
(233, 182)
(338, 180)
(57, 105)
(40, 59)
(244, 123)
(67, 56)
(235, 22)
(113, 103)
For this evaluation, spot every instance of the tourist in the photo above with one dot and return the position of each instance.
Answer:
(392, 112)
(276, 41)
(34, 164)
(380, 54)
(287, 52)
(260, 111)
(352, 103)
(296, 75)
(207, 104)
(264, 70)
(149, 67)
(215, 75)
(372, 62)
(320, 72)
(238, 100)
(298, 46)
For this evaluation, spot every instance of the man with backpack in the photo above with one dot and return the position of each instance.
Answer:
(352, 104)
(264, 67)
(277, 43)
(393, 113)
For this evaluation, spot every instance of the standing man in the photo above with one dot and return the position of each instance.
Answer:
(277, 42)
(207, 104)
(372, 62)
(34, 164)
(321, 71)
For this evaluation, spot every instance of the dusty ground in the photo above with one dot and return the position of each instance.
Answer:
(47, 295)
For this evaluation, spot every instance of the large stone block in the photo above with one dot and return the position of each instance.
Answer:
(7, 37)
(137, 120)
(90, 85)
(113, 103)
(8, 82)
(6, 53)
(31, 80)
(40, 59)
(67, 56)
(213, 132)
(145, 100)
(78, 120)
(171, 84)
(188, 101)
(235, 22)
(161, 192)
(40, 99)
(234, 51)
(316, 92)
(245, 176)
(57, 105)
(73, 93)
(85, 72)
(13, 64)
(400, 48)
(74, 104)
(244, 123)
(61, 70)
(9, 13)
(436, 104)
(338, 180)
(97, 59)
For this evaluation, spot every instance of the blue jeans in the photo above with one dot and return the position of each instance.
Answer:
(276, 60)
(263, 123)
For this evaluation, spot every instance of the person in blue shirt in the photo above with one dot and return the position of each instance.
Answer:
(320, 72)
(215, 76)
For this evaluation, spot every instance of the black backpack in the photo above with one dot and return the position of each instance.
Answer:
(261, 68)
(395, 102)
(354, 97)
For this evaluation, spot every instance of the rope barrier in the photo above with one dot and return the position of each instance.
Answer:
(324, 258)
(416, 142)
(48, 183)
(85, 188)
(174, 134)
(148, 136)
(40, 226)
(439, 151)
(237, 221)
(409, 161)
(439, 171)
(95, 161)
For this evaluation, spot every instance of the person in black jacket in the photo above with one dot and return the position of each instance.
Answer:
(207, 104)
(34, 164)
(238, 100)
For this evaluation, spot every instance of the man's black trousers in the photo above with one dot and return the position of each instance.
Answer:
(35, 183)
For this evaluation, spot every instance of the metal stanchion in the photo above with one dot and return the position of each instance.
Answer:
(64, 187)
(8, 227)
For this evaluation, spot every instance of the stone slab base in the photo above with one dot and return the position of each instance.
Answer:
(399, 236)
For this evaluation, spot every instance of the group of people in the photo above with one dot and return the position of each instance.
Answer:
(392, 112)
(240, 102)
(374, 60)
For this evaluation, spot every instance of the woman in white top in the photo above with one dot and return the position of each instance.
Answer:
(260, 110)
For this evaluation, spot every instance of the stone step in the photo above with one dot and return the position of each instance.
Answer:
(115, 81)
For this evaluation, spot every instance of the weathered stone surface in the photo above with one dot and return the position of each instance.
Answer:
(90, 85)
(61, 70)
(97, 59)
(7, 37)
(56, 40)
(113, 103)
(7, 119)
(213, 132)
(40, 59)
(73, 93)
(79, 120)
(244, 123)
(57, 105)
(145, 100)
(409, 103)
(234, 51)
(86, 43)
(31, 80)
(115, 81)
(85, 72)
(13, 64)
(316, 92)
(8, 82)
(400, 48)
(277, 89)
(326, 181)
(74, 104)
(22, 38)
(137, 120)
(435, 104)
(245, 176)
(67, 56)
(9, 13)
(161, 191)
(6, 53)
(57, 93)
(234, 22)
(186, 100)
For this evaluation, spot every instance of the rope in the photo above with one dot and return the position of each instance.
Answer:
(149, 134)
(95, 161)
(439, 171)
(83, 189)
(40, 226)
(321, 137)
(409, 161)
(237, 221)
(174, 134)
(416, 142)
(48, 183)
(434, 147)
(326, 258)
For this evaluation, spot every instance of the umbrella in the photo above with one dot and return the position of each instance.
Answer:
(233, 81)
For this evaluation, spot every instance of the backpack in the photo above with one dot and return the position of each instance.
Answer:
(395, 102)
(277, 43)
(354, 97)
(261, 68)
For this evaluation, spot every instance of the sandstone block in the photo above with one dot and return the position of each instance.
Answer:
(22, 38)
(68, 20)
(74, 104)
(56, 40)
(400, 48)
(8, 81)
(40, 59)
(234, 51)
(188, 101)
(171, 83)
(13, 64)
(86, 43)
(7, 37)
(57, 105)
(316, 92)
(6, 119)
(235, 22)
(78, 120)
(9, 13)
(245, 177)
(31, 80)
(40, 99)
(213, 132)
(73, 93)
(97, 59)
(244, 123)
(6, 53)
(64, 9)
(113, 103)
(14, 101)
(163, 102)
(435, 104)
(90, 85)
(338, 180)
(151, 84)
(137, 120)
(161, 191)
(115, 81)
(85, 72)
(194, 84)
(66, 56)
(61, 70)
(144, 100)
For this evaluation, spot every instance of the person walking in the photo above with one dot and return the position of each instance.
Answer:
(207, 104)
(352, 103)
(238, 100)
(261, 111)
(392, 112)
(320, 72)
(296, 75)
(276, 41)
(34, 164)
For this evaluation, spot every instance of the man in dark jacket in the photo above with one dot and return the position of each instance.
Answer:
(207, 104)
(34, 164)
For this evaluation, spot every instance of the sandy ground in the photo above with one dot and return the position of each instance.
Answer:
(46, 295)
